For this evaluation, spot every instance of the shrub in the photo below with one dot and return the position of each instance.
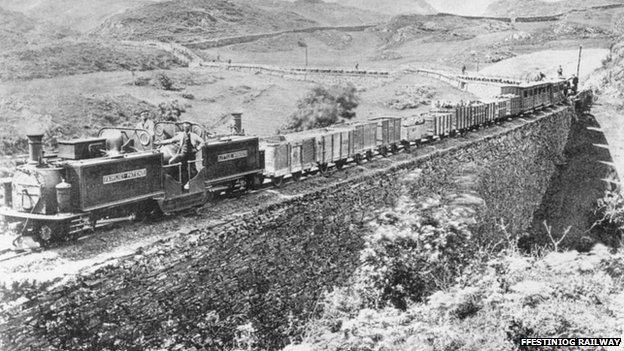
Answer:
(142, 81)
(609, 218)
(322, 107)
(412, 257)
(164, 82)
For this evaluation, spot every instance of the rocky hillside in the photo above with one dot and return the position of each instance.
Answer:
(401, 29)
(17, 29)
(194, 20)
(80, 15)
(542, 8)
(322, 12)
(396, 7)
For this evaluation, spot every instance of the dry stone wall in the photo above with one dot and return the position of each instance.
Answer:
(268, 267)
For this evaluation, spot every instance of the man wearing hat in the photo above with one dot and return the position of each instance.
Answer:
(146, 122)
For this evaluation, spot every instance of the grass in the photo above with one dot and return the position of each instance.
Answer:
(71, 57)
(195, 20)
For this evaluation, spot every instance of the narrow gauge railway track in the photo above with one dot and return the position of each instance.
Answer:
(94, 180)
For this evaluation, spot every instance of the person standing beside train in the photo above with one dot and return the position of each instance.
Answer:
(189, 144)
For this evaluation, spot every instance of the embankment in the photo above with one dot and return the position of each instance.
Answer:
(269, 266)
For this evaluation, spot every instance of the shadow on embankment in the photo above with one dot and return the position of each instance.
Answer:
(583, 177)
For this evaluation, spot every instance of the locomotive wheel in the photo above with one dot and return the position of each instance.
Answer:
(277, 181)
(296, 176)
(45, 233)
(147, 211)
(255, 181)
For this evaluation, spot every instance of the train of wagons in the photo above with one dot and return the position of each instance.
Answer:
(122, 171)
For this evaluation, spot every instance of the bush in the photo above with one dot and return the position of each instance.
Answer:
(322, 107)
(609, 219)
(412, 256)
(142, 81)
(164, 82)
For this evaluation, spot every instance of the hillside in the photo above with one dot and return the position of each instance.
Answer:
(322, 12)
(193, 20)
(17, 29)
(461, 7)
(81, 56)
(397, 7)
(401, 29)
(542, 8)
(80, 15)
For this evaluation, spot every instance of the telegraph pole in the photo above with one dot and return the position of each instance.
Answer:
(578, 66)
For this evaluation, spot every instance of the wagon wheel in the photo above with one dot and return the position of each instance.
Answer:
(383, 151)
(340, 164)
(322, 168)
(369, 155)
(394, 148)
(358, 159)
(277, 181)
(407, 147)
(296, 176)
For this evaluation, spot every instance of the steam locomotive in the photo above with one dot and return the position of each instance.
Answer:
(121, 170)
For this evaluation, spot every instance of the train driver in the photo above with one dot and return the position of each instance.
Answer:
(146, 122)
(189, 144)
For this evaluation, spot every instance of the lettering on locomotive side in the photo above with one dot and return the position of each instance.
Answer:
(120, 177)
(232, 156)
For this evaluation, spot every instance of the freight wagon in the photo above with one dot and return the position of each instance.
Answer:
(120, 171)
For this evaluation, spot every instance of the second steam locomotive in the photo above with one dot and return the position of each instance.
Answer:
(122, 170)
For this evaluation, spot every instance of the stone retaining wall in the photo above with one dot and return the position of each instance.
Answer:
(268, 267)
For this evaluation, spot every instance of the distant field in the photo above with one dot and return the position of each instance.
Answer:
(80, 105)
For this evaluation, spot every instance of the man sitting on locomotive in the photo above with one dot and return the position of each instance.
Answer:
(146, 123)
(188, 145)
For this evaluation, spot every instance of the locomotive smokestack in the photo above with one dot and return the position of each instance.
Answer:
(238, 122)
(35, 148)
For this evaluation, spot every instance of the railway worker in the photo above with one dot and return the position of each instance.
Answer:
(464, 70)
(146, 122)
(574, 84)
(189, 144)
(560, 72)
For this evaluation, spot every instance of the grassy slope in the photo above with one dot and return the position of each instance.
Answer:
(17, 29)
(398, 6)
(195, 20)
(324, 13)
(81, 56)
(542, 8)
(80, 15)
